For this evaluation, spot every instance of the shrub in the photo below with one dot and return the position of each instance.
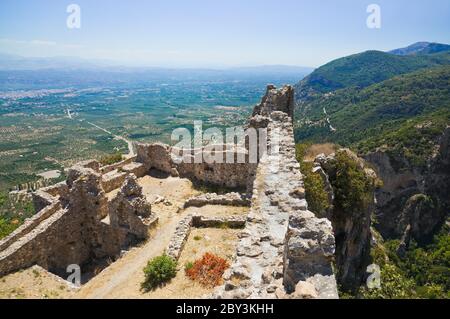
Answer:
(3, 198)
(353, 189)
(188, 266)
(316, 196)
(208, 270)
(111, 159)
(6, 228)
(158, 271)
(394, 285)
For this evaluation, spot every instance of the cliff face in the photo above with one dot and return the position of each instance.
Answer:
(350, 185)
(412, 202)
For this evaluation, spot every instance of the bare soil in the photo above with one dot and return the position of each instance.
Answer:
(316, 149)
(221, 242)
(33, 283)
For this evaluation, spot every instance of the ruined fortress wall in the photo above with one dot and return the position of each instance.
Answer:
(30, 224)
(112, 167)
(232, 175)
(283, 247)
(58, 236)
(222, 174)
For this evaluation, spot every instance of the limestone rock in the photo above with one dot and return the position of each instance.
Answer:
(304, 290)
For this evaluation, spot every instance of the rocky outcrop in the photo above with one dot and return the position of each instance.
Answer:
(351, 223)
(417, 220)
(412, 194)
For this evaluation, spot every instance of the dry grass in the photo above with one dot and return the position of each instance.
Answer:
(316, 149)
(32, 284)
(220, 242)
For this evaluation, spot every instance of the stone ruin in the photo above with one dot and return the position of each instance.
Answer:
(76, 224)
(284, 250)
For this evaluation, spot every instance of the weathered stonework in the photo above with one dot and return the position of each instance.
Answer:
(113, 180)
(74, 228)
(284, 251)
(229, 199)
(179, 238)
(161, 157)
(283, 243)
(185, 226)
(130, 212)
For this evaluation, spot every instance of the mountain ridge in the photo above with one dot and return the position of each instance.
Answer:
(421, 48)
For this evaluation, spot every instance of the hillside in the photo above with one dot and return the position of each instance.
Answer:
(393, 109)
(362, 70)
(361, 117)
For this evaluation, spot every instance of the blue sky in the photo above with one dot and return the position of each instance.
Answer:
(208, 33)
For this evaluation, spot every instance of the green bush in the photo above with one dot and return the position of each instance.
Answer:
(315, 193)
(430, 266)
(111, 159)
(353, 189)
(394, 285)
(6, 228)
(159, 271)
(3, 198)
(423, 273)
(188, 266)
(13, 214)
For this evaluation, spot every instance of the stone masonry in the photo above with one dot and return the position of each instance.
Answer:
(77, 226)
(284, 247)
(284, 250)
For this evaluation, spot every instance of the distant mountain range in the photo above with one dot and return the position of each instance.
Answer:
(15, 62)
(421, 48)
(18, 63)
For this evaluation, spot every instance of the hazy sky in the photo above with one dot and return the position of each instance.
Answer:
(215, 32)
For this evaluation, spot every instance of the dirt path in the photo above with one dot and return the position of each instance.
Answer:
(122, 279)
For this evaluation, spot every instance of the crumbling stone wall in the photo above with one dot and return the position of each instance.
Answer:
(184, 227)
(232, 175)
(229, 199)
(285, 251)
(75, 229)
